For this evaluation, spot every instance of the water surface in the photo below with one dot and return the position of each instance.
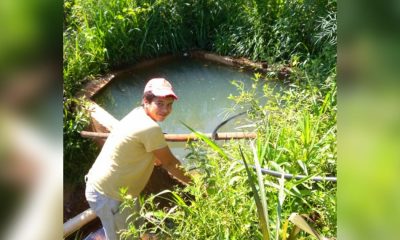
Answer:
(202, 86)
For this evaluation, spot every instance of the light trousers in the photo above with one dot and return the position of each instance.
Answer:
(109, 212)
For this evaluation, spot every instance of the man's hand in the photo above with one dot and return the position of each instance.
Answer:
(171, 164)
(157, 162)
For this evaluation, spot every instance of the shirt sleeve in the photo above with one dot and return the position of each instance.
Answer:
(153, 139)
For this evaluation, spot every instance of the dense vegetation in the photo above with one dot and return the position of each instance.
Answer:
(296, 134)
(296, 127)
(102, 35)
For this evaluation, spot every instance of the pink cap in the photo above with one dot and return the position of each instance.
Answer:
(160, 87)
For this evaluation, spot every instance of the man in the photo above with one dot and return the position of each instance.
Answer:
(128, 156)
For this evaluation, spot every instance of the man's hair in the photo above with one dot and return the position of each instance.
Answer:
(148, 96)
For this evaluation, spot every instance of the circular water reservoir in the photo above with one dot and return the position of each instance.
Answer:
(202, 86)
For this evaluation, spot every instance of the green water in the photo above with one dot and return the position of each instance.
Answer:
(202, 86)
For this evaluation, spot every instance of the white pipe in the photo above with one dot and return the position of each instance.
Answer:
(78, 221)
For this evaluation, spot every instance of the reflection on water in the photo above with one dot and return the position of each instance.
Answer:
(202, 86)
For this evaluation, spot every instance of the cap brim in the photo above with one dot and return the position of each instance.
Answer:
(165, 93)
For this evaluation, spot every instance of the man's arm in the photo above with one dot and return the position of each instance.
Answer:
(171, 164)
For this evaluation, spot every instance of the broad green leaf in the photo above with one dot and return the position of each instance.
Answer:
(261, 185)
(300, 222)
(261, 216)
(208, 141)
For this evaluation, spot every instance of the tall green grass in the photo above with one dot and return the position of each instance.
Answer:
(276, 30)
(103, 35)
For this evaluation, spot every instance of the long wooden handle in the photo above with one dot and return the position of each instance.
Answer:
(183, 137)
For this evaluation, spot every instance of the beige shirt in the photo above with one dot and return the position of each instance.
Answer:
(126, 159)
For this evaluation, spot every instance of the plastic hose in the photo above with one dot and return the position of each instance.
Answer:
(298, 177)
(214, 133)
(271, 172)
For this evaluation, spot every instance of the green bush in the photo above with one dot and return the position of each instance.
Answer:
(79, 153)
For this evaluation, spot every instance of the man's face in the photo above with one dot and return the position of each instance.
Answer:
(159, 108)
